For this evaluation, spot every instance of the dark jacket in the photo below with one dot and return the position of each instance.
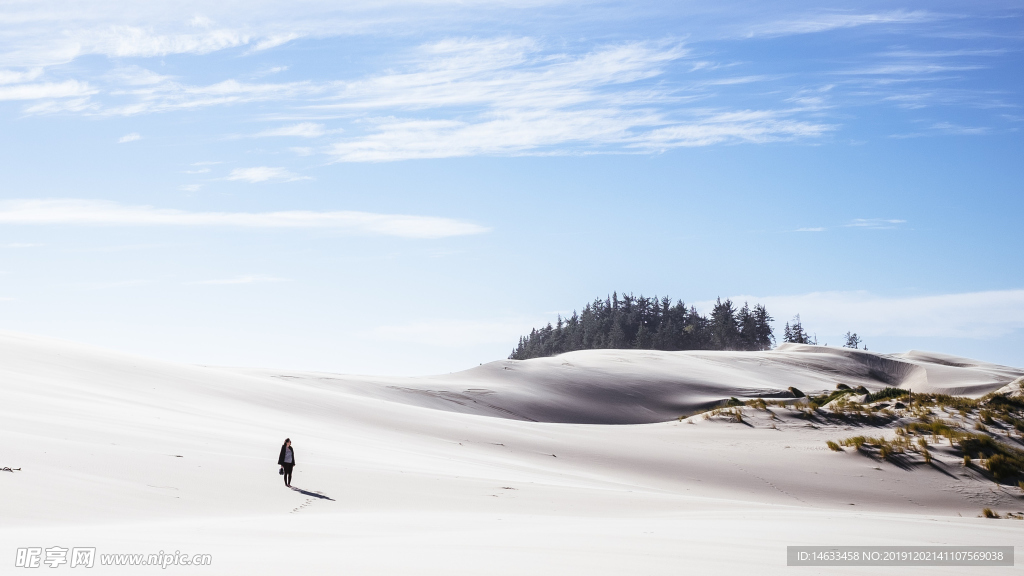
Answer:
(280, 459)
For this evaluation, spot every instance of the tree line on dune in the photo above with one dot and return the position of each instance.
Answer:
(638, 322)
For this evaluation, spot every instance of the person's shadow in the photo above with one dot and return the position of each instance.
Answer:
(312, 494)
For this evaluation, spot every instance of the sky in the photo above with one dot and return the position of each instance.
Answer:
(406, 187)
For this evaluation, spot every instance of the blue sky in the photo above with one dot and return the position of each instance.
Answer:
(406, 187)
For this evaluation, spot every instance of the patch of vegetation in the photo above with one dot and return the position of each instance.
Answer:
(796, 392)
(834, 447)
(886, 394)
(826, 398)
(1002, 461)
(758, 403)
(988, 513)
(734, 402)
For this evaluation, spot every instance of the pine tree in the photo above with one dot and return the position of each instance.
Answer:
(853, 341)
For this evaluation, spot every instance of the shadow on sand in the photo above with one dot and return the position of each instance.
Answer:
(312, 494)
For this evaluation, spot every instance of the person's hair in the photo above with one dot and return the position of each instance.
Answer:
(287, 440)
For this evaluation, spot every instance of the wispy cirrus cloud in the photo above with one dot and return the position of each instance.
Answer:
(132, 137)
(19, 76)
(106, 213)
(42, 90)
(980, 315)
(875, 223)
(824, 21)
(258, 174)
(300, 130)
(526, 101)
(494, 96)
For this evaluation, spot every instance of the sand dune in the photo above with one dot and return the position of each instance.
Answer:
(644, 386)
(526, 466)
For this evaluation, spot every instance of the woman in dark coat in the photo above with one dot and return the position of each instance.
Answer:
(287, 461)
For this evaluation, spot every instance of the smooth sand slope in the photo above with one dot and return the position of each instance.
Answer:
(567, 465)
(644, 386)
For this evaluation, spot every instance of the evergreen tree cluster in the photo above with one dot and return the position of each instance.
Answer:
(795, 333)
(644, 323)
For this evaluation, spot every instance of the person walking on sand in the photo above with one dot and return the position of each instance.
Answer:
(287, 461)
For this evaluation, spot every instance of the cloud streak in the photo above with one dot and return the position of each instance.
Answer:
(975, 315)
(105, 213)
(875, 223)
(822, 22)
(264, 174)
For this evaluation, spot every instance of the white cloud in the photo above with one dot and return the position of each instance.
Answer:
(250, 279)
(302, 130)
(751, 126)
(264, 174)
(499, 96)
(530, 102)
(810, 229)
(21, 245)
(37, 91)
(948, 128)
(105, 213)
(875, 223)
(66, 105)
(139, 41)
(909, 69)
(14, 77)
(822, 22)
(190, 187)
(129, 138)
(980, 315)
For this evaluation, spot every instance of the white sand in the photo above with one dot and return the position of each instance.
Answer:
(136, 456)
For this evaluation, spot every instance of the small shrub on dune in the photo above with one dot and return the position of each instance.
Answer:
(758, 403)
(834, 447)
(986, 417)
(988, 513)
(842, 387)
(856, 441)
(796, 392)
(734, 402)
(1016, 423)
(979, 426)
(1001, 467)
